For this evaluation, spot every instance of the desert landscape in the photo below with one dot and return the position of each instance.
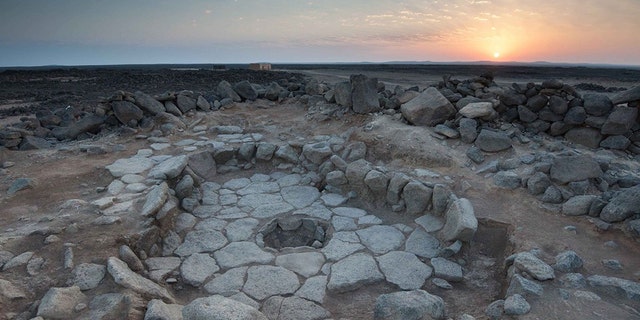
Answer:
(359, 191)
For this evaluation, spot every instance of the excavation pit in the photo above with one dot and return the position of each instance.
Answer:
(292, 232)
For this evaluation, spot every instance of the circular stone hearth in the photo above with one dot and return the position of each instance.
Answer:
(291, 232)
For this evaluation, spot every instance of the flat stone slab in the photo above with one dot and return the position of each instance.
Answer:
(220, 308)
(305, 264)
(353, 272)
(228, 283)
(447, 270)
(241, 230)
(201, 241)
(538, 269)
(409, 305)
(242, 253)
(123, 276)
(300, 196)
(349, 212)
(381, 239)
(133, 165)
(197, 268)
(337, 249)
(170, 168)
(314, 289)
(266, 281)
(404, 269)
(293, 308)
(430, 223)
(422, 244)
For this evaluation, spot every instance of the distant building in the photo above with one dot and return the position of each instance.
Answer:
(260, 66)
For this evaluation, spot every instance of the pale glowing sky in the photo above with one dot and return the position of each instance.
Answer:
(77, 32)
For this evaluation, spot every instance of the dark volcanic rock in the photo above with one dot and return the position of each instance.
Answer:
(185, 103)
(364, 96)
(575, 115)
(597, 104)
(567, 169)
(148, 103)
(492, 141)
(623, 205)
(630, 95)
(127, 112)
(620, 121)
(31, 143)
(246, 90)
(90, 123)
(558, 105)
(526, 115)
(616, 142)
(429, 108)
(536, 103)
(468, 130)
(225, 90)
(588, 137)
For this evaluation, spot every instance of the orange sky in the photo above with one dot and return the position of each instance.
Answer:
(35, 32)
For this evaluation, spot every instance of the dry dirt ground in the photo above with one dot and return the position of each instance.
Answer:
(511, 221)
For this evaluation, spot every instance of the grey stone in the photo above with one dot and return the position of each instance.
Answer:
(293, 308)
(430, 223)
(468, 130)
(381, 239)
(266, 281)
(615, 287)
(620, 121)
(203, 104)
(18, 260)
(446, 269)
(575, 116)
(428, 109)
(461, 223)
(558, 105)
(516, 305)
(265, 151)
(538, 183)
(612, 264)
(364, 96)
(409, 305)
(623, 205)
(169, 168)
(196, 268)
(377, 182)
(185, 102)
(565, 169)
(343, 223)
(573, 281)
(417, 197)
(60, 303)
(127, 112)
(353, 272)
(203, 165)
(317, 152)
(396, 184)
(287, 153)
(333, 199)
(338, 249)
(492, 141)
(578, 205)
(20, 184)
(532, 265)
(90, 123)
(155, 199)
(314, 289)
(158, 310)
(441, 283)
(133, 165)
(477, 110)
(336, 178)
(305, 264)
(355, 151)
(220, 308)
(507, 179)
(404, 269)
(475, 154)
(552, 195)
(300, 196)
(245, 90)
(123, 276)
(495, 309)
(148, 103)
(568, 261)
(228, 283)
(422, 244)
(597, 104)
(109, 306)
(446, 131)
(241, 253)
(526, 115)
(87, 276)
(616, 142)
(587, 137)
(343, 94)
(524, 287)
(198, 241)
(241, 230)
(11, 291)
(440, 199)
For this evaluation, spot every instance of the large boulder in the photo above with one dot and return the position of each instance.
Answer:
(477, 110)
(148, 103)
(587, 137)
(364, 95)
(620, 121)
(60, 303)
(428, 109)
(225, 90)
(623, 205)
(90, 123)
(342, 93)
(597, 104)
(185, 103)
(127, 112)
(246, 90)
(567, 169)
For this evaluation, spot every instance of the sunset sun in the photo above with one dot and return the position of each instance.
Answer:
(496, 55)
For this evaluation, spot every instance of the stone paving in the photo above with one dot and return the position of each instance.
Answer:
(217, 242)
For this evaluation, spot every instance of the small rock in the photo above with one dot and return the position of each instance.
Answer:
(409, 305)
(516, 305)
